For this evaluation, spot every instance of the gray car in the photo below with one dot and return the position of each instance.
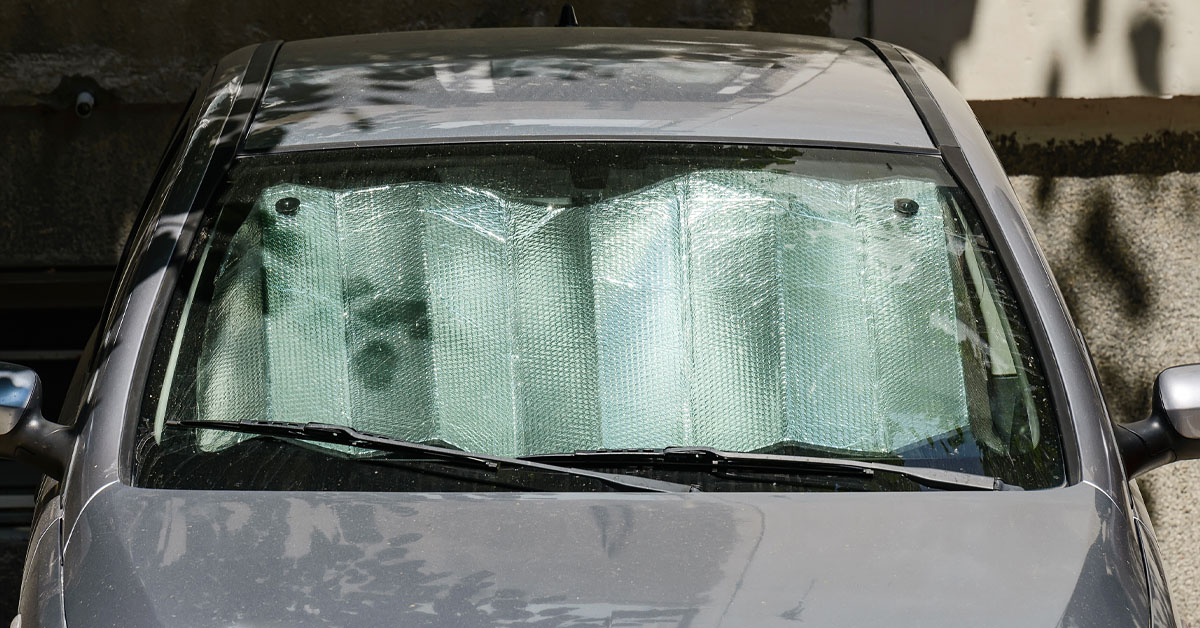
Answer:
(587, 327)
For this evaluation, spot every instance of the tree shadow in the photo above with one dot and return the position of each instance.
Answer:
(1043, 190)
(1109, 251)
(1092, 10)
(955, 23)
(1054, 79)
(1146, 38)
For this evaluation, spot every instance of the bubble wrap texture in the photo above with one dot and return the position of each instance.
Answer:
(231, 369)
(731, 309)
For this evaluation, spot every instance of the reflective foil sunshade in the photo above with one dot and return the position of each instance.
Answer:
(731, 308)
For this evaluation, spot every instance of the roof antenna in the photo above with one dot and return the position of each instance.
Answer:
(567, 17)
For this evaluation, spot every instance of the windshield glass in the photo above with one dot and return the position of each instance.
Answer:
(539, 298)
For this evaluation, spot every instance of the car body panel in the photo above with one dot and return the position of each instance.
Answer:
(580, 83)
(150, 557)
(135, 556)
(41, 600)
(1161, 611)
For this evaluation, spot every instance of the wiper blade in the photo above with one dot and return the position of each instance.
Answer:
(925, 476)
(718, 459)
(342, 435)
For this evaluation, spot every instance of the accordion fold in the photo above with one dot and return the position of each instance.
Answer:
(725, 308)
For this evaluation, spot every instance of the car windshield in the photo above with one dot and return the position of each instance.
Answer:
(528, 298)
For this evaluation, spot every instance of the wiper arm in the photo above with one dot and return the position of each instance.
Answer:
(717, 459)
(342, 435)
(925, 476)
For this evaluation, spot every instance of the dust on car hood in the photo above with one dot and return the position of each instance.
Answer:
(141, 557)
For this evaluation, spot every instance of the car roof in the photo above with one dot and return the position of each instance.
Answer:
(582, 83)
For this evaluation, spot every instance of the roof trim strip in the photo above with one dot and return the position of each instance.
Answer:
(918, 94)
(258, 71)
(669, 139)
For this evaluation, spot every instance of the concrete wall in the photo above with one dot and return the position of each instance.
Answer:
(1069, 90)
(1003, 49)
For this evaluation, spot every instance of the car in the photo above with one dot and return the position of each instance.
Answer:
(587, 326)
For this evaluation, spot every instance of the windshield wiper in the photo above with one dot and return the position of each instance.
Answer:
(341, 435)
(716, 459)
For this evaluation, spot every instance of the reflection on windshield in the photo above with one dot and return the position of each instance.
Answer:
(586, 82)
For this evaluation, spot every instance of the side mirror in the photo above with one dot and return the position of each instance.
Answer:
(1173, 430)
(25, 435)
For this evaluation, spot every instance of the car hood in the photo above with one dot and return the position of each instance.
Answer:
(140, 557)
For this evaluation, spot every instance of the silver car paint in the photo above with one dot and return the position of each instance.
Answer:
(41, 600)
(459, 85)
(139, 557)
(185, 558)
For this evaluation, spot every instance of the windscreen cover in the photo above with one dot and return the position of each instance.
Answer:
(726, 308)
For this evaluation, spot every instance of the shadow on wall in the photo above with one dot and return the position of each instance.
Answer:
(1106, 267)
(1111, 252)
(889, 21)
(892, 21)
(1107, 249)
(1121, 248)
(1145, 34)
(1146, 38)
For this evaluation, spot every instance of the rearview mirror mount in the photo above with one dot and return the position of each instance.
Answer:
(25, 435)
(1172, 432)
